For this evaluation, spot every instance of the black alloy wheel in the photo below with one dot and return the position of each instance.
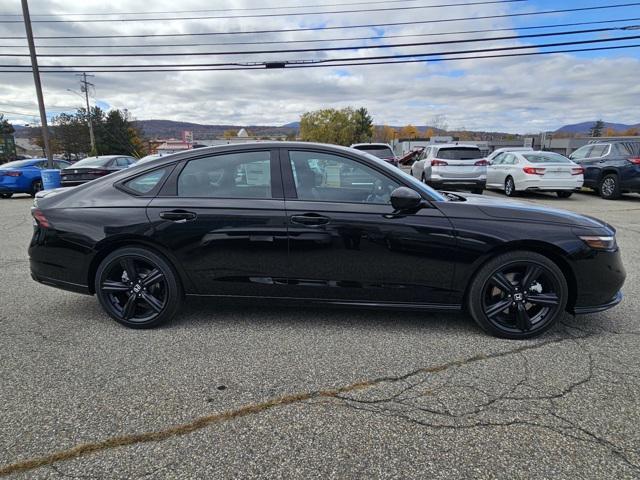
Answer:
(509, 187)
(137, 288)
(518, 295)
(610, 187)
(36, 186)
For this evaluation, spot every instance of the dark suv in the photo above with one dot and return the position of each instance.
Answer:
(610, 168)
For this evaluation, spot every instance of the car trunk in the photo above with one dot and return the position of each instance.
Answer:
(83, 174)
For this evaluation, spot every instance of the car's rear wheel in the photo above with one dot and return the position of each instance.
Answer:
(36, 186)
(138, 288)
(6, 195)
(610, 187)
(564, 193)
(518, 295)
(510, 187)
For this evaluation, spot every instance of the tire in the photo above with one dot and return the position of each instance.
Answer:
(6, 195)
(529, 310)
(610, 187)
(138, 302)
(564, 193)
(423, 178)
(510, 187)
(36, 186)
(477, 191)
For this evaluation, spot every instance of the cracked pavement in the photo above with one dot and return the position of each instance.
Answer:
(371, 394)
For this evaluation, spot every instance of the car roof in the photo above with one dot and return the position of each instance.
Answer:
(451, 145)
(370, 145)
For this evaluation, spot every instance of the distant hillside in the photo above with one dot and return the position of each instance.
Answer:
(170, 128)
(585, 127)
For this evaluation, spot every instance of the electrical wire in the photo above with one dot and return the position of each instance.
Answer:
(336, 27)
(319, 49)
(268, 15)
(341, 59)
(383, 37)
(257, 67)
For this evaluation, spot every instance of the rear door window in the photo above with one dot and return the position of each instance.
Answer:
(598, 151)
(459, 153)
(147, 182)
(232, 175)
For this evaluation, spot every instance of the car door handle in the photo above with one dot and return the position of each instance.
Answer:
(310, 220)
(179, 216)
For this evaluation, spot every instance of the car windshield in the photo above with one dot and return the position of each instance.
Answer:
(380, 151)
(459, 153)
(546, 157)
(93, 162)
(17, 164)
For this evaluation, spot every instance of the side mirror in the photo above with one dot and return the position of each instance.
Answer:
(404, 198)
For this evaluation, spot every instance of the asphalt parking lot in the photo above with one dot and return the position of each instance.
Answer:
(263, 392)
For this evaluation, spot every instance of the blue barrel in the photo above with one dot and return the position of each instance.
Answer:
(50, 179)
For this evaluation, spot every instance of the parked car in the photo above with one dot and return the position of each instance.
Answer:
(24, 176)
(611, 167)
(380, 150)
(193, 225)
(91, 168)
(519, 171)
(452, 167)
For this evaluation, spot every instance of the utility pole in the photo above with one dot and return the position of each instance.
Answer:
(36, 80)
(85, 88)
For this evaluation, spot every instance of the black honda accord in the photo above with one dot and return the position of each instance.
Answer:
(311, 223)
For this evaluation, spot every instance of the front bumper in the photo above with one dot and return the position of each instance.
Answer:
(600, 308)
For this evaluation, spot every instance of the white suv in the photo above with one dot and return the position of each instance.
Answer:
(452, 166)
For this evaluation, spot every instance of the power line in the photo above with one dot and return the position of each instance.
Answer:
(337, 27)
(215, 10)
(275, 64)
(325, 49)
(266, 15)
(383, 37)
(313, 65)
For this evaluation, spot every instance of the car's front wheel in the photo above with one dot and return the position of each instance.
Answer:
(518, 295)
(138, 288)
(36, 186)
(6, 195)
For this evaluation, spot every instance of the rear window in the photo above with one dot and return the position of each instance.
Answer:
(459, 153)
(93, 162)
(377, 151)
(545, 158)
(627, 148)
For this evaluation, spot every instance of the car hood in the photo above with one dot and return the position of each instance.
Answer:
(514, 210)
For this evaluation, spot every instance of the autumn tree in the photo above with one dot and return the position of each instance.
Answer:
(409, 132)
(385, 134)
(229, 134)
(5, 127)
(631, 132)
(71, 134)
(329, 125)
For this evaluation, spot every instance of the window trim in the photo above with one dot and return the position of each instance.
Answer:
(170, 187)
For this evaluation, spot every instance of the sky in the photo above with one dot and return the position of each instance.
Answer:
(527, 94)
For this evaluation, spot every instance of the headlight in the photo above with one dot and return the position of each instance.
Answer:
(599, 243)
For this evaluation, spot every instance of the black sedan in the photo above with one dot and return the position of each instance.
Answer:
(309, 223)
(91, 168)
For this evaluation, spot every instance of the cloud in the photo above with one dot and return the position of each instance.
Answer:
(524, 95)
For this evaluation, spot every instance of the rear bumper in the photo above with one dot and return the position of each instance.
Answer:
(550, 185)
(600, 308)
(458, 184)
(54, 282)
(73, 183)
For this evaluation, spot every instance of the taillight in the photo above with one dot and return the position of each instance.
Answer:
(13, 174)
(438, 163)
(577, 171)
(634, 160)
(533, 171)
(481, 163)
(40, 218)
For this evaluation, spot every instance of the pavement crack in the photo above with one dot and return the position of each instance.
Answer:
(251, 409)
